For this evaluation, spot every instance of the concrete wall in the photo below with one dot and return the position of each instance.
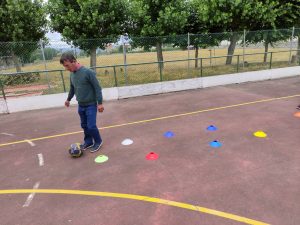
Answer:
(57, 100)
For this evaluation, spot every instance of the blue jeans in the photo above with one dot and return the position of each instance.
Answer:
(88, 117)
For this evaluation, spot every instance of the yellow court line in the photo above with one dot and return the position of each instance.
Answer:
(155, 119)
(139, 198)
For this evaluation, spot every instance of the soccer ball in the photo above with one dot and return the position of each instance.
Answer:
(75, 150)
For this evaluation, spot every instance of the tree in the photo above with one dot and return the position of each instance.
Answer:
(289, 17)
(268, 37)
(49, 54)
(286, 13)
(198, 29)
(22, 25)
(236, 15)
(157, 19)
(89, 24)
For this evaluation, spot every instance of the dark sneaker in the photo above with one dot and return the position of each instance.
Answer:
(96, 147)
(86, 146)
(298, 107)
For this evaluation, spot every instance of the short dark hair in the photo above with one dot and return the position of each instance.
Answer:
(67, 56)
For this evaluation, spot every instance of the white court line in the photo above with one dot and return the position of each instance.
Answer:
(8, 134)
(30, 197)
(30, 142)
(41, 159)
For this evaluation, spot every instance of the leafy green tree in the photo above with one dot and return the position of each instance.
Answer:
(157, 19)
(22, 24)
(89, 24)
(199, 30)
(267, 37)
(49, 54)
(236, 15)
(290, 17)
(286, 13)
(287, 16)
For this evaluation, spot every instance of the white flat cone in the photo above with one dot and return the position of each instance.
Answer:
(127, 142)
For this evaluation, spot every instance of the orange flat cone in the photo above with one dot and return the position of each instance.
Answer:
(297, 114)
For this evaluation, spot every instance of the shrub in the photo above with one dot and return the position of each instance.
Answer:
(21, 78)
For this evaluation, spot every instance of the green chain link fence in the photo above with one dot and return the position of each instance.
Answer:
(33, 68)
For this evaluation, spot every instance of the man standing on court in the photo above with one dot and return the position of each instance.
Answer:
(88, 92)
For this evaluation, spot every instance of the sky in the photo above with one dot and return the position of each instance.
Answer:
(53, 36)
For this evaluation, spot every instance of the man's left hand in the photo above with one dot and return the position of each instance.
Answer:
(100, 108)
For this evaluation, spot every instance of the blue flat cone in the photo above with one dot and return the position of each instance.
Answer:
(169, 134)
(215, 144)
(211, 128)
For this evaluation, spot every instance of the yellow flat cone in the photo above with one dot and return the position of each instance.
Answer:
(297, 114)
(260, 134)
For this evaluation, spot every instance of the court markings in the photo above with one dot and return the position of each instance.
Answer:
(154, 119)
(30, 142)
(139, 198)
(41, 159)
(31, 195)
(7, 134)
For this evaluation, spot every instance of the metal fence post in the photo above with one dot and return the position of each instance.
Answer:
(237, 64)
(125, 42)
(4, 97)
(2, 90)
(45, 64)
(201, 68)
(115, 76)
(125, 63)
(271, 60)
(244, 45)
(291, 44)
(63, 81)
(188, 44)
(210, 57)
(160, 71)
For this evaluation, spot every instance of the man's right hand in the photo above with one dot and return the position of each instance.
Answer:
(67, 103)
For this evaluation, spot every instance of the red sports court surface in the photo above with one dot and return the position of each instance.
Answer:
(248, 180)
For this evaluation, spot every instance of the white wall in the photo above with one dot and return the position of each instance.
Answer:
(57, 100)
